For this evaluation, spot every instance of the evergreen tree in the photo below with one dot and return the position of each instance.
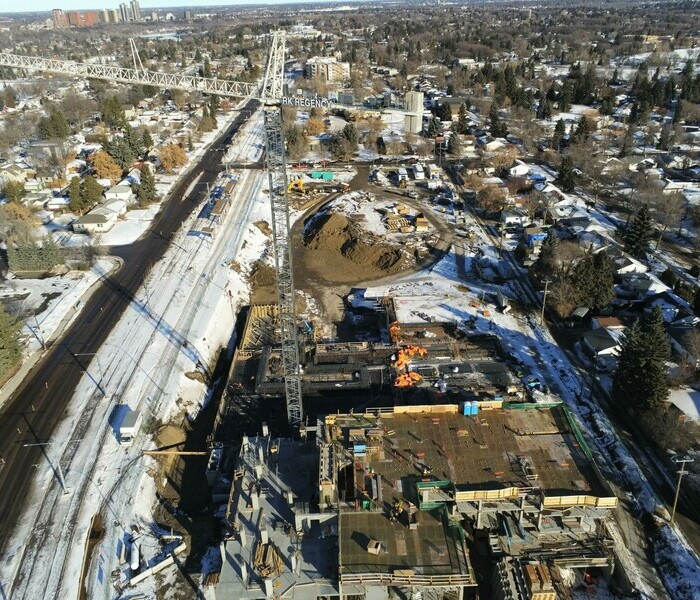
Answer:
(547, 262)
(434, 127)
(10, 344)
(146, 140)
(134, 141)
(593, 278)
(565, 99)
(454, 145)
(678, 113)
(582, 131)
(497, 127)
(462, 119)
(147, 188)
(112, 113)
(559, 131)
(638, 234)
(349, 132)
(91, 192)
(120, 150)
(544, 110)
(53, 126)
(665, 138)
(75, 195)
(51, 253)
(640, 379)
(213, 106)
(566, 178)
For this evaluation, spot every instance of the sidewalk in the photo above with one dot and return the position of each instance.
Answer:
(30, 361)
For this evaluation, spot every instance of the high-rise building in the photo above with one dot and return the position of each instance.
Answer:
(188, 15)
(135, 10)
(154, 16)
(86, 18)
(326, 68)
(115, 17)
(414, 106)
(106, 16)
(125, 12)
(59, 18)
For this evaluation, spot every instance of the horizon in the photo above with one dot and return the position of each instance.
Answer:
(46, 6)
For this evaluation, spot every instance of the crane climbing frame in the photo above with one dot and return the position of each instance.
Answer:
(271, 94)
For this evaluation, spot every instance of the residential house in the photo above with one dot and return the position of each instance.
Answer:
(57, 204)
(120, 192)
(685, 341)
(98, 220)
(14, 173)
(624, 263)
(686, 402)
(515, 216)
(602, 343)
(642, 285)
(48, 151)
(519, 169)
(672, 306)
(607, 323)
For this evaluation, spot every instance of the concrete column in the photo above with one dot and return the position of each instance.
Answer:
(267, 585)
(478, 515)
(244, 571)
(263, 535)
(265, 430)
(254, 500)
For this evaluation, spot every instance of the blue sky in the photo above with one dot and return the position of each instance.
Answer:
(47, 5)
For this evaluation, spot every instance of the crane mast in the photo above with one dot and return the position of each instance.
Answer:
(273, 85)
(271, 95)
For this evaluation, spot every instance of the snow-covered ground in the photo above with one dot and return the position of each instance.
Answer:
(178, 321)
(134, 224)
(55, 302)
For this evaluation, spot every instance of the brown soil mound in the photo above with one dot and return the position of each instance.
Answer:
(343, 251)
(263, 281)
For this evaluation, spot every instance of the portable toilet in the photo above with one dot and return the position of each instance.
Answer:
(475, 408)
(467, 410)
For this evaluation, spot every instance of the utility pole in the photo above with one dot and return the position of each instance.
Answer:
(544, 299)
(99, 368)
(59, 472)
(682, 461)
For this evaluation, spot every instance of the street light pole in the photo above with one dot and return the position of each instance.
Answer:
(682, 461)
(59, 472)
(99, 368)
(544, 299)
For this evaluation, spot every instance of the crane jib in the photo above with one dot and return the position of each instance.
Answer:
(306, 102)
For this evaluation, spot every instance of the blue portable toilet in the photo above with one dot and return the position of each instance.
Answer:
(467, 410)
(475, 408)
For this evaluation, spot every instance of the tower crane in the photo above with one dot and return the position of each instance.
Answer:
(271, 94)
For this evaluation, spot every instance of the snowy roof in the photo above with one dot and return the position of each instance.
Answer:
(687, 400)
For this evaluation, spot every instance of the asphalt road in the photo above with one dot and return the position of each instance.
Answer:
(37, 406)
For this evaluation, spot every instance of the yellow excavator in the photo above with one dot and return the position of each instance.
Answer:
(296, 185)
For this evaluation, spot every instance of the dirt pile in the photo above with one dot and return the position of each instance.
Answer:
(343, 251)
